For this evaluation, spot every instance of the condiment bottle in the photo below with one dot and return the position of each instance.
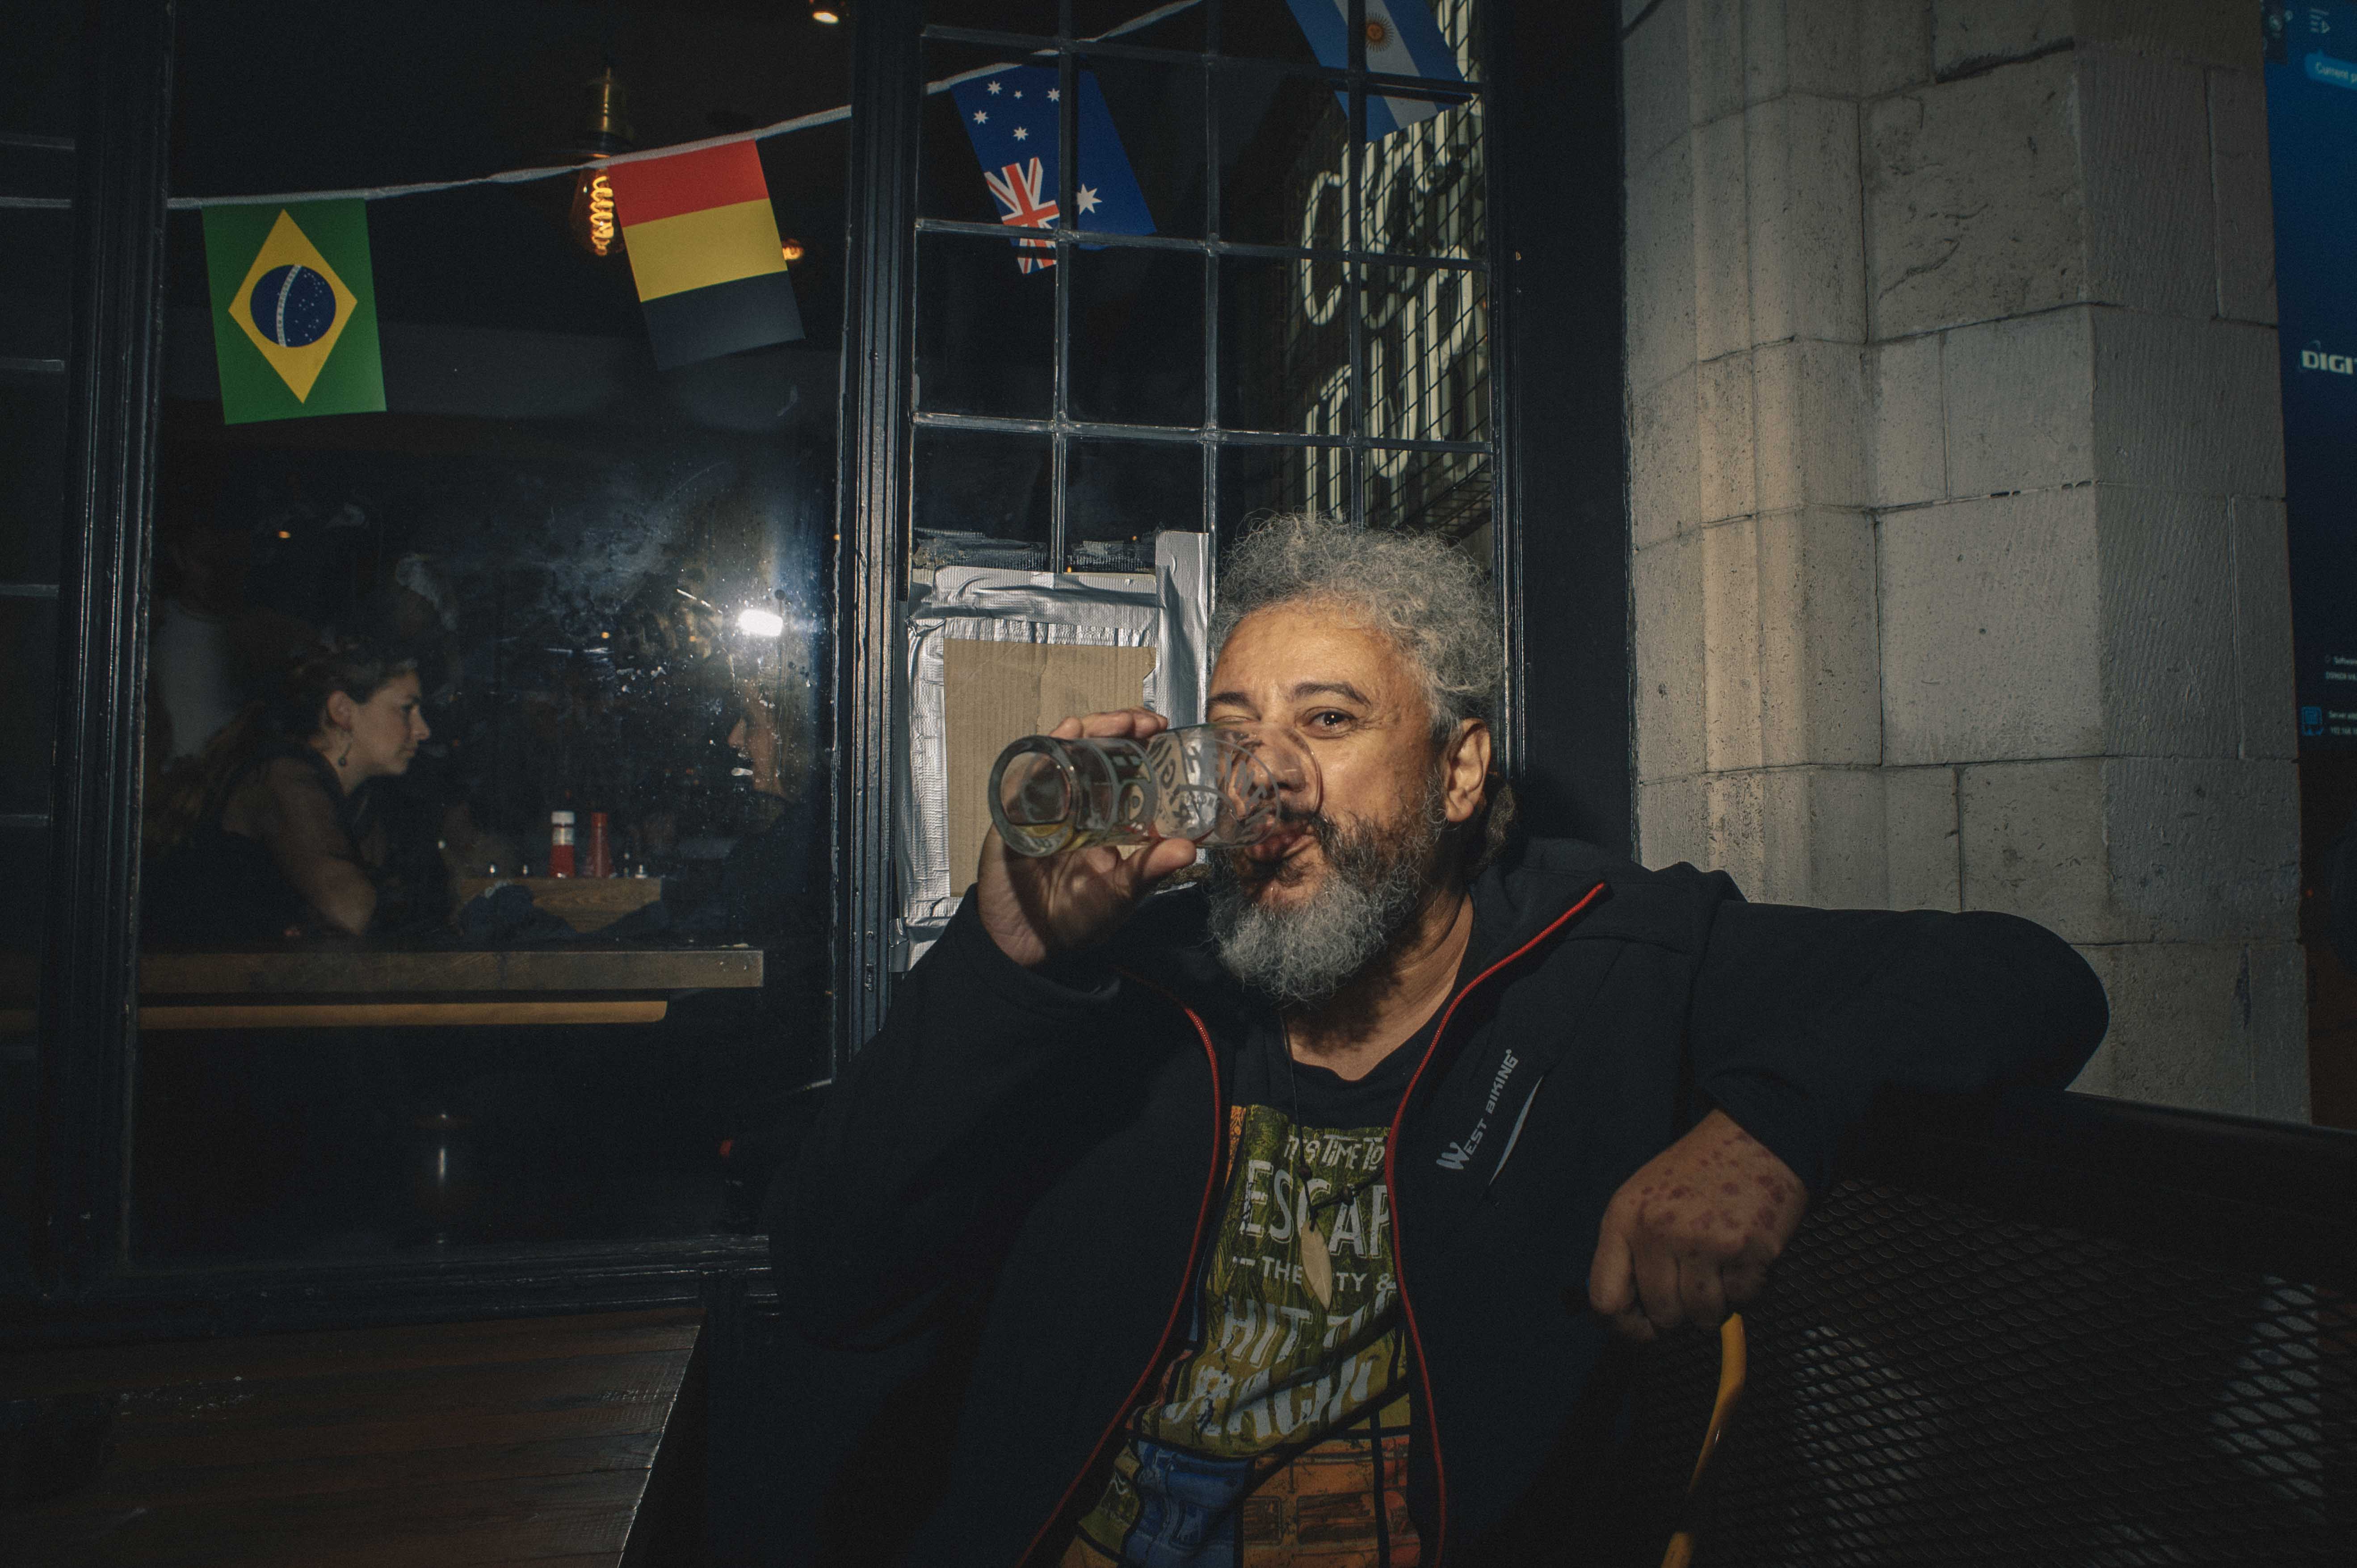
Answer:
(560, 843)
(601, 854)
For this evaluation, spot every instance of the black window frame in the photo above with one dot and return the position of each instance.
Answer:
(1551, 82)
(1214, 435)
(879, 481)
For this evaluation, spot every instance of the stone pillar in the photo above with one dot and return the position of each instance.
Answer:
(1955, 491)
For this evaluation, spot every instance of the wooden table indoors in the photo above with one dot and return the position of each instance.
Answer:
(560, 1442)
(336, 986)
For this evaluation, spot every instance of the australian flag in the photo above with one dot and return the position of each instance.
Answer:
(1011, 115)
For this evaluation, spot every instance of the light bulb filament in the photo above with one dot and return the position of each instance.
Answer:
(601, 214)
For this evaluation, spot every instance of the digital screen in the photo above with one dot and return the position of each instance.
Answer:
(2312, 75)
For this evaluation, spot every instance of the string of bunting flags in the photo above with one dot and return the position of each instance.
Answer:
(294, 296)
(297, 338)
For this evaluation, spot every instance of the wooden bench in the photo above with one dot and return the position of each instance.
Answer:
(563, 1442)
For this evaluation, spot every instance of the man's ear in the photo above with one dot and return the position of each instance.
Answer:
(1468, 769)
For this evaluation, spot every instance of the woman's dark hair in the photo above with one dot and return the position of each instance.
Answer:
(199, 786)
(357, 670)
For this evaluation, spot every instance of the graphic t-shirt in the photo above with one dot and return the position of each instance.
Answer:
(1277, 1435)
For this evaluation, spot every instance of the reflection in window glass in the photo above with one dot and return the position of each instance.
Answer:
(36, 277)
(1427, 347)
(1422, 185)
(1285, 345)
(486, 874)
(1037, 17)
(1446, 493)
(1120, 494)
(32, 471)
(1462, 23)
(20, 948)
(40, 83)
(1462, 32)
(982, 498)
(1256, 481)
(1284, 146)
(1139, 22)
(986, 329)
(1285, 155)
(40, 74)
(28, 703)
(28, 720)
(1137, 337)
(1281, 141)
(1157, 110)
(1262, 32)
(1160, 27)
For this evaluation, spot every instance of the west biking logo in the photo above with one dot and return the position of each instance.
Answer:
(1453, 1158)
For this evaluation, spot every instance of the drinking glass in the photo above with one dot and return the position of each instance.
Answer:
(1215, 784)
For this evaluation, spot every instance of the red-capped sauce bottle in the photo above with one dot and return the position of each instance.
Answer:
(560, 843)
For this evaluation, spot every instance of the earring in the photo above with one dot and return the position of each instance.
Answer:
(346, 755)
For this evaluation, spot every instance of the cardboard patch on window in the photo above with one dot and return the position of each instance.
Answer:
(998, 692)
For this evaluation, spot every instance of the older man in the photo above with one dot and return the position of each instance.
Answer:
(1287, 1220)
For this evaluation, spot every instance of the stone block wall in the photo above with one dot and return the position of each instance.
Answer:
(1955, 501)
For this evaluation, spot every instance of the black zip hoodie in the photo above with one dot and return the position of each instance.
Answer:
(1027, 1160)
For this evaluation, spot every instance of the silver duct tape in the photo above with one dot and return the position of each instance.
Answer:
(1170, 615)
(1182, 579)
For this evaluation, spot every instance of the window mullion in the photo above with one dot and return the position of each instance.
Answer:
(1068, 179)
(1354, 141)
(1213, 83)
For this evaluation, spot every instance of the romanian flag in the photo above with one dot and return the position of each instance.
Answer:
(704, 251)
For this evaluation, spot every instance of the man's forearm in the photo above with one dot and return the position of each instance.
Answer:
(1802, 1016)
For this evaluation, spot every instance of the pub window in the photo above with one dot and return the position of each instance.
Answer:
(485, 875)
(486, 894)
(1250, 275)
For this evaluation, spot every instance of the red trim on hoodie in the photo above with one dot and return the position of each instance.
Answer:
(1203, 1212)
(1399, 1253)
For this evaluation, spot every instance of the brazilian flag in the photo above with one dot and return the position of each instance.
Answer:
(294, 310)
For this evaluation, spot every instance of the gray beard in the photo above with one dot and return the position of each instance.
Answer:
(1374, 884)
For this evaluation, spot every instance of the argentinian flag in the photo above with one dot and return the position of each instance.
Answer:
(1402, 40)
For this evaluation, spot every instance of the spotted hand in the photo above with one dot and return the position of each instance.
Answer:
(1691, 1235)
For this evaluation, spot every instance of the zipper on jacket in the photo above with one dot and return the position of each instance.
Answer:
(1391, 1192)
(1186, 1280)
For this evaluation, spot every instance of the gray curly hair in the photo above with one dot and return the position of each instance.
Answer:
(1427, 597)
